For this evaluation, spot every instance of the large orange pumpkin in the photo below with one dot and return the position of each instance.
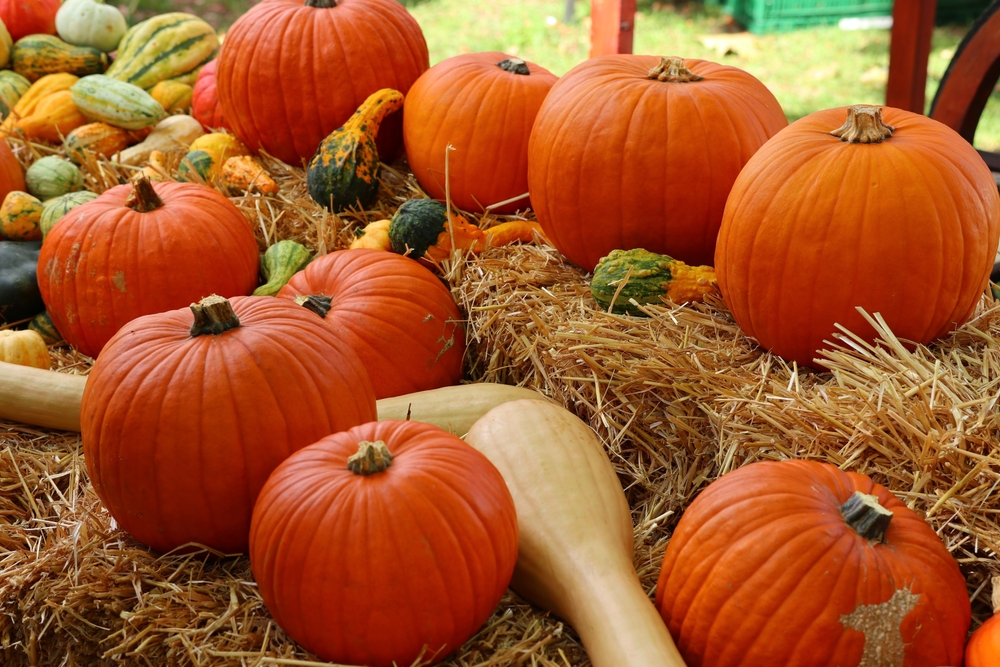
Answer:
(29, 17)
(800, 564)
(633, 151)
(482, 105)
(11, 171)
(388, 542)
(394, 312)
(141, 249)
(889, 211)
(292, 71)
(185, 414)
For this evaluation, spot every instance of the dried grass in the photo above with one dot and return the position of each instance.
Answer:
(679, 397)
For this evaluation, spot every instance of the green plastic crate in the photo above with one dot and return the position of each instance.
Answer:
(763, 16)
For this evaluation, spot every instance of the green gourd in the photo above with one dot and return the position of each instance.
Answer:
(166, 46)
(279, 263)
(197, 166)
(35, 56)
(43, 326)
(19, 294)
(647, 278)
(52, 176)
(118, 103)
(56, 208)
(12, 86)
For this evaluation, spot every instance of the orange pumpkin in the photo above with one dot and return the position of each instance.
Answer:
(29, 17)
(383, 544)
(983, 649)
(482, 105)
(632, 151)
(11, 171)
(889, 211)
(205, 99)
(798, 563)
(187, 412)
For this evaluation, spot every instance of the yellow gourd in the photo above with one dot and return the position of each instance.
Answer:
(39, 90)
(21, 217)
(576, 542)
(24, 348)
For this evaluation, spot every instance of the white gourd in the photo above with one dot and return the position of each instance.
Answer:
(91, 23)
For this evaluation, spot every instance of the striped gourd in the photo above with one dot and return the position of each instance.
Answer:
(163, 47)
(55, 209)
(107, 100)
(12, 86)
(35, 56)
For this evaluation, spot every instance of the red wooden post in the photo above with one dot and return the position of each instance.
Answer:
(612, 23)
(909, 49)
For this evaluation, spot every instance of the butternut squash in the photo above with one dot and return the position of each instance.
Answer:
(171, 133)
(576, 542)
(39, 397)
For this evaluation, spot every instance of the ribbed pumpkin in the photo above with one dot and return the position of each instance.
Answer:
(333, 54)
(29, 17)
(396, 314)
(632, 151)
(205, 99)
(800, 564)
(383, 544)
(187, 412)
(833, 215)
(140, 249)
(983, 649)
(11, 171)
(483, 105)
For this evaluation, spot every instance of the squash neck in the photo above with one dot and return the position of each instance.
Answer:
(317, 303)
(672, 69)
(370, 114)
(213, 315)
(370, 459)
(143, 197)
(864, 125)
(514, 66)
(866, 516)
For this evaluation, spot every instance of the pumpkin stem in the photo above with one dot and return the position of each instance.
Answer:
(864, 126)
(515, 65)
(317, 303)
(865, 515)
(213, 315)
(321, 4)
(143, 197)
(672, 69)
(371, 458)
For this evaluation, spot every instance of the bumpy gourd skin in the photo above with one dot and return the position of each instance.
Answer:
(19, 295)
(650, 276)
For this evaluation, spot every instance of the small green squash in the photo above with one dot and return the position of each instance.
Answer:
(197, 166)
(344, 171)
(56, 208)
(279, 263)
(166, 46)
(35, 56)
(107, 100)
(52, 176)
(623, 276)
(12, 86)
(43, 326)
(421, 228)
(19, 295)
(91, 23)
(20, 217)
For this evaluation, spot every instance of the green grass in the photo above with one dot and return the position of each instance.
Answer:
(807, 70)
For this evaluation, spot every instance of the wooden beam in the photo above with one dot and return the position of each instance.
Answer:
(909, 50)
(612, 24)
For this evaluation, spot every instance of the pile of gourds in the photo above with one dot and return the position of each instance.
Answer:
(376, 534)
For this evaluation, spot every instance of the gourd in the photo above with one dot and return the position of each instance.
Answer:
(39, 397)
(186, 412)
(478, 109)
(402, 499)
(35, 56)
(645, 277)
(173, 96)
(12, 87)
(54, 117)
(56, 208)
(38, 91)
(345, 168)
(142, 248)
(52, 176)
(91, 23)
(242, 173)
(24, 348)
(19, 294)
(205, 99)
(11, 171)
(20, 217)
(879, 189)
(576, 542)
(802, 549)
(6, 44)
(105, 99)
(29, 18)
(208, 154)
(172, 133)
(375, 236)
(367, 45)
(422, 228)
(652, 164)
(165, 46)
(394, 313)
(983, 649)
(279, 263)
(42, 325)
(100, 139)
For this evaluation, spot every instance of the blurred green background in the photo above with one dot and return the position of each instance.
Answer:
(807, 69)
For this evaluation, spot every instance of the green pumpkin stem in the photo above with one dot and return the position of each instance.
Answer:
(143, 197)
(317, 303)
(321, 4)
(672, 69)
(371, 458)
(865, 515)
(514, 65)
(864, 126)
(213, 315)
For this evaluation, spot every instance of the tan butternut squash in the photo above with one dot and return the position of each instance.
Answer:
(39, 397)
(576, 542)
(172, 133)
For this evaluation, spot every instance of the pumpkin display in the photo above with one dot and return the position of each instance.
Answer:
(881, 209)
(651, 165)
(187, 412)
(333, 55)
(34, 17)
(91, 23)
(395, 313)
(983, 649)
(142, 248)
(482, 105)
(624, 276)
(345, 169)
(383, 544)
(24, 347)
(205, 99)
(800, 563)
(19, 294)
